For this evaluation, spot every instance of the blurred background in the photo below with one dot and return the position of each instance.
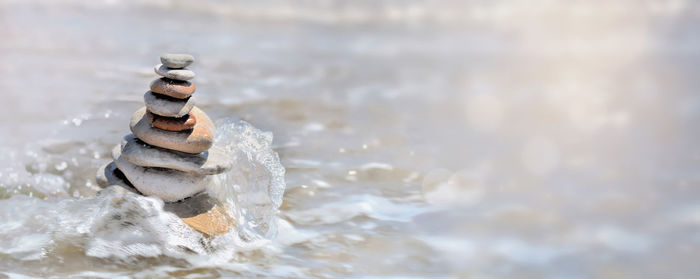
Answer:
(436, 139)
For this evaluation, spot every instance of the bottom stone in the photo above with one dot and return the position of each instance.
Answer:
(201, 212)
(213, 222)
(204, 214)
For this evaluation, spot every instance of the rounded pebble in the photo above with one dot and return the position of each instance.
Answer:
(173, 88)
(106, 176)
(165, 106)
(169, 185)
(213, 161)
(178, 74)
(197, 140)
(176, 61)
(174, 124)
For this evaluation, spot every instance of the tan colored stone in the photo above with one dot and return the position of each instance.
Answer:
(213, 222)
(173, 88)
(174, 124)
(203, 213)
(197, 140)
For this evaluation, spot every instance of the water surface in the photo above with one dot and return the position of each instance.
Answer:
(420, 138)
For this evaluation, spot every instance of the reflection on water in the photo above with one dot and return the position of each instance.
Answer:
(420, 138)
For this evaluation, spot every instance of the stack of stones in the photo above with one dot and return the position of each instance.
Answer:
(170, 153)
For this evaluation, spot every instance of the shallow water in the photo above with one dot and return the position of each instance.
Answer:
(427, 139)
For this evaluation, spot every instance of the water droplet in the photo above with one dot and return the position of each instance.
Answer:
(61, 166)
(77, 121)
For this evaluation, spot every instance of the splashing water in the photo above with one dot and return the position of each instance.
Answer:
(253, 188)
(432, 139)
(117, 224)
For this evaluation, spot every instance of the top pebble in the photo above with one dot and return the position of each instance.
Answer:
(176, 61)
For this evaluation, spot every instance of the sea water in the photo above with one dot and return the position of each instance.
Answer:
(431, 139)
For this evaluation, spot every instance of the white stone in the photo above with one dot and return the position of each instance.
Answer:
(169, 185)
(213, 161)
(166, 106)
(106, 176)
(177, 74)
(176, 61)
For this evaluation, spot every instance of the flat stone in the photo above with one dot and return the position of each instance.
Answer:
(178, 74)
(203, 213)
(106, 176)
(169, 185)
(213, 222)
(173, 88)
(197, 140)
(176, 61)
(166, 106)
(109, 175)
(213, 161)
(174, 124)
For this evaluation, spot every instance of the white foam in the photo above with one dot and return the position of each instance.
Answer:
(118, 224)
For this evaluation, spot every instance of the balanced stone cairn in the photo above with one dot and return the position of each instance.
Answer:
(170, 153)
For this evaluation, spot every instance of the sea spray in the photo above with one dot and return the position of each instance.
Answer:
(253, 188)
(120, 225)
